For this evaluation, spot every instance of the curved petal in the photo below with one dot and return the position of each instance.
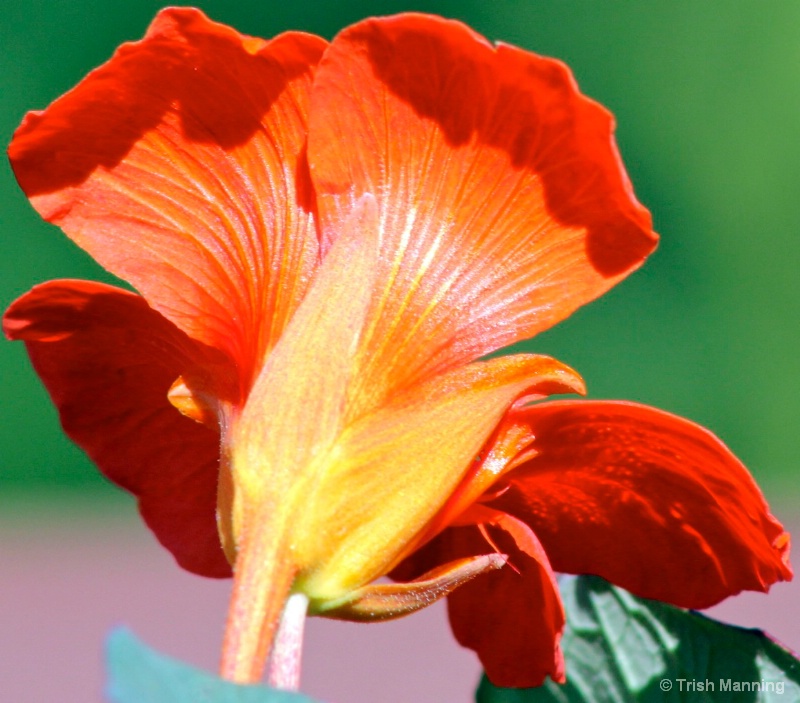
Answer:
(503, 202)
(179, 166)
(108, 360)
(647, 500)
(512, 617)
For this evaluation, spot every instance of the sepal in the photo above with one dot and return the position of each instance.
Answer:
(386, 601)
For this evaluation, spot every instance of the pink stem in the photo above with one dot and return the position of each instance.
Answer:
(283, 670)
(262, 583)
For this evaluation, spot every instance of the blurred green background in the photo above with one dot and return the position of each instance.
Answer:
(707, 98)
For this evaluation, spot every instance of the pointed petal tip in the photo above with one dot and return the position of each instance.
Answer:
(378, 602)
(497, 561)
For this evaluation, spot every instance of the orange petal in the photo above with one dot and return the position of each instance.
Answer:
(647, 500)
(358, 476)
(108, 360)
(503, 202)
(513, 617)
(179, 166)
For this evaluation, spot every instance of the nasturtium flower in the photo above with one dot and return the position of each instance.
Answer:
(327, 240)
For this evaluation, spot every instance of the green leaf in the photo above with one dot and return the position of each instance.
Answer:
(623, 649)
(138, 674)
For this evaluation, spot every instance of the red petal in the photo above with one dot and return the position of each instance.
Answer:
(179, 166)
(512, 617)
(647, 500)
(108, 360)
(504, 205)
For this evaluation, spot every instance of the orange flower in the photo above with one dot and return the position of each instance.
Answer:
(326, 239)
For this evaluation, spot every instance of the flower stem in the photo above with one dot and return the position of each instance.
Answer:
(262, 582)
(284, 664)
